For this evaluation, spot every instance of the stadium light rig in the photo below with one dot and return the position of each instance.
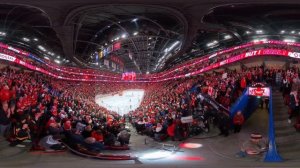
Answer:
(289, 40)
(124, 35)
(26, 39)
(227, 37)
(2, 34)
(134, 20)
(215, 42)
(258, 40)
(259, 31)
(41, 48)
(135, 33)
(57, 61)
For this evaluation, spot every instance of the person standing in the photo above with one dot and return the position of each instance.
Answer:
(293, 106)
(4, 121)
(238, 121)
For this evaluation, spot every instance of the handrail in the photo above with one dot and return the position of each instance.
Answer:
(219, 107)
(235, 107)
(272, 154)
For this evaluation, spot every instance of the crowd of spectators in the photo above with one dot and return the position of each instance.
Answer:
(206, 60)
(165, 104)
(42, 110)
(77, 73)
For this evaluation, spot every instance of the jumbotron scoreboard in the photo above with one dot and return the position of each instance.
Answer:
(129, 76)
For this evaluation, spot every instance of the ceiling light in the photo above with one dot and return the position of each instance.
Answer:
(135, 33)
(293, 32)
(289, 40)
(227, 37)
(26, 39)
(58, 56)
(172, 46)
(212, 43)
(41, 48)
(248, 32)
(105, 44)
(47, 58)
(57, 61)
(259, 31)
(150, 38)
(258, 40)
(124, 36)
(264, 39)
(282, 31)
(108, 26)
(134, 20)
(2, 34)
(147, 72)
(35, 39)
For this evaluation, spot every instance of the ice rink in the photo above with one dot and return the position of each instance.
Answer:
(121, 103)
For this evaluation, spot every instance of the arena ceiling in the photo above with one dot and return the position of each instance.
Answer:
(154, 34)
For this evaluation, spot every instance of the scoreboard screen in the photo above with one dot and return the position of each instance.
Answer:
(129, 76)
(259, 91)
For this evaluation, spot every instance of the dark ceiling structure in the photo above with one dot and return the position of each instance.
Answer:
(143, 31)
(153, 35)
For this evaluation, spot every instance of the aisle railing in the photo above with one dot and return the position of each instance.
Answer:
(272, 154)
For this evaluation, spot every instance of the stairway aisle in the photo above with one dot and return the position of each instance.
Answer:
(287, 139)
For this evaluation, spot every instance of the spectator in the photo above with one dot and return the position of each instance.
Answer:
(238, 121)
(294, 105)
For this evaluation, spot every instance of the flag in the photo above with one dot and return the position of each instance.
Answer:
(100, 54)
(109, 49)
(113, 65)
(106, 63)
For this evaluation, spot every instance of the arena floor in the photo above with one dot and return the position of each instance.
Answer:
(215, 151)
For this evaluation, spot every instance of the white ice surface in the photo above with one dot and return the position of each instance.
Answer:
(129, 100)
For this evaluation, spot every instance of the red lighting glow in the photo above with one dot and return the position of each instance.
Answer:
(190, 158)
(190, 145)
